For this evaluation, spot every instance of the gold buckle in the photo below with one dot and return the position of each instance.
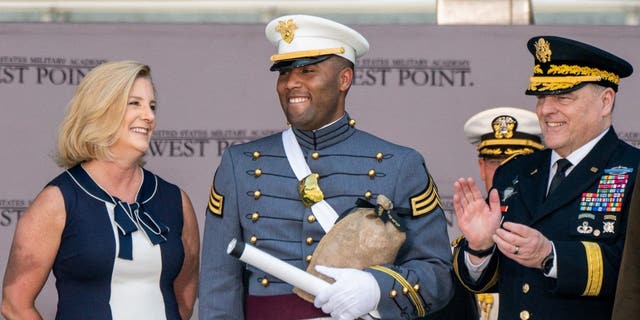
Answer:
(309, 190)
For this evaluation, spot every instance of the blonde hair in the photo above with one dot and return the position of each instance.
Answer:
(96, 112)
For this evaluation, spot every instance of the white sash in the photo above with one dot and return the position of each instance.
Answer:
(323, 212)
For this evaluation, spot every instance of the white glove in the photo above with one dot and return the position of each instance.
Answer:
(355, 293)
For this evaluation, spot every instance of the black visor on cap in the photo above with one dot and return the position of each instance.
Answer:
(286, 65)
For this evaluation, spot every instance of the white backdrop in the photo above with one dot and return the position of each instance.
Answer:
(417, 86)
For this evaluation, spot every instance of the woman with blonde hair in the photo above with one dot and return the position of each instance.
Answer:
(122, 242)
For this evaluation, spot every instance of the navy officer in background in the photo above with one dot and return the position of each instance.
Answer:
(499, 135)
(255, 195)
(557, 254)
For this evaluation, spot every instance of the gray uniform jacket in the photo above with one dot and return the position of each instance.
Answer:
(254, 198)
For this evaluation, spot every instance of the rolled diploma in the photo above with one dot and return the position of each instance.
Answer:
(276, 267)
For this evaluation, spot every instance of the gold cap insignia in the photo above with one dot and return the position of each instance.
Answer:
(503, 127)
(543, 50)
(286, 30)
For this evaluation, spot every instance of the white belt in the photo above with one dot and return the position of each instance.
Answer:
(323, 212)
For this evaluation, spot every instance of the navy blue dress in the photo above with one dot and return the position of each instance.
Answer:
(118, 260)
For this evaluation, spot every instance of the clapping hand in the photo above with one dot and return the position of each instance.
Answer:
(523, 244)
(477, 220)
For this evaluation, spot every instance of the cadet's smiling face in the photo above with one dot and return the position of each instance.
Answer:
(313, 96)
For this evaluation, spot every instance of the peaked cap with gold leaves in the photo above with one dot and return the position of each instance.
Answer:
(562, 65)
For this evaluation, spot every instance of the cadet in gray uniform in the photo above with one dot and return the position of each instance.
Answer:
(255, 196)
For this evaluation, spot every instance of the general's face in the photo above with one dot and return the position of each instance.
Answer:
(139, 120)
(568, 121)
(487, 168)
(313, 96)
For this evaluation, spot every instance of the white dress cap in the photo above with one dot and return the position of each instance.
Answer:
(504, 131)
(304, 36)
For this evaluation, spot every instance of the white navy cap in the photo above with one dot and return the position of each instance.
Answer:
(303, 40)
(504, 132)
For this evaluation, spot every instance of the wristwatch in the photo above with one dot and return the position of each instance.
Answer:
(464, 245)
(547, 263)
